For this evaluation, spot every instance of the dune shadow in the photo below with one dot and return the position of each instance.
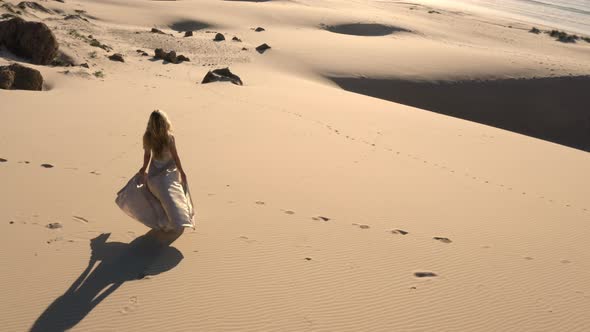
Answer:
(147, 255)
(554, 109)
(188, 25)
(364, 29)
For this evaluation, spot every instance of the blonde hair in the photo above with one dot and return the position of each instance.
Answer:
(158, 134)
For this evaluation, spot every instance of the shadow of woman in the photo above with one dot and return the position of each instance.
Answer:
(149, 254)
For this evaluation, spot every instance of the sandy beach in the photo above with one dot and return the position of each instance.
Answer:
(385, 166)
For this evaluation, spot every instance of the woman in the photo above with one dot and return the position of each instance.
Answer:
(165, 203)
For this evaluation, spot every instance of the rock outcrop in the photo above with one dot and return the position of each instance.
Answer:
(31, 40)
(221, 75)
(18, 77)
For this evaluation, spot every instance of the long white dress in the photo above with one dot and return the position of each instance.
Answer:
(164, 204)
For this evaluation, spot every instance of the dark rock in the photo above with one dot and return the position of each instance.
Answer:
(169, 56)
(188, 34)
(47, 166)
(85, 65)
(144, 54)
(34, 6)
(117, 57)
(262, 48)
(32, 40)
(236, 39)
(222, 75)
(154, 30)
(244, 48)
(18, 77)
(219, 37)
(259, 29)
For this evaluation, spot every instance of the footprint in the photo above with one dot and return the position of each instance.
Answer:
(321, 218)
(47, 165)
(425, 274)
(529, 258)
(260, 202)
(442, 239)
(399, 231)
(131, 304)
(364, 226)
(95, 173)
(565, 261)
(289, 212)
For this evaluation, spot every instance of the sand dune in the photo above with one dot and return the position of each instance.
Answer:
(318, 209)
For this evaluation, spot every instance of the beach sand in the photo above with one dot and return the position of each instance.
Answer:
(319, 207)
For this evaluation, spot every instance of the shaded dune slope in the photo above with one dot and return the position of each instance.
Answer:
(552, 109)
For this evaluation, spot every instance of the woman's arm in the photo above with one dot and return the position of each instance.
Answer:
(147, 155)
(177, 159)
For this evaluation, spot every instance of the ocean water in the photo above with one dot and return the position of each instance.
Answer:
(569, 15)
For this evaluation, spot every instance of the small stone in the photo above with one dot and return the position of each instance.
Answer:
(219, 37)
(11, 222)
(85, 65)
(236, 39)
(259, 29)
(307, 258)
(154, 30)
(188, 34)
(47, 165)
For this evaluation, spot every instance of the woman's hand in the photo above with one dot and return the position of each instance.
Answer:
(142, 176)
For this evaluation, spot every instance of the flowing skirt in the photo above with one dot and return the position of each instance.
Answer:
(164, 204)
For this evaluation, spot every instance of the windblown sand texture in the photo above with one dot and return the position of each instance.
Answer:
(318, 209)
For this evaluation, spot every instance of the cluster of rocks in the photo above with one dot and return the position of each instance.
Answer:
(169, 56)
(221, 75)
(18, 77)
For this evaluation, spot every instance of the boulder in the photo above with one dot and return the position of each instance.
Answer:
(18, 77)
(32, 40)
(188, 34)
(262, 48)
(221, 75)
(117, 57)
(219, 37)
